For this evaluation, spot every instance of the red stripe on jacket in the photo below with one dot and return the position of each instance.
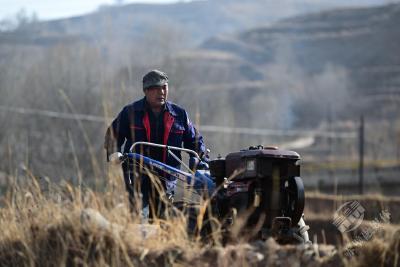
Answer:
(146, 124)
(168, 122)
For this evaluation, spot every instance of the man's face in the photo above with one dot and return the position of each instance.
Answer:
(156, 96)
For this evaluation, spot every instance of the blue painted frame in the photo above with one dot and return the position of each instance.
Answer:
(201, 182)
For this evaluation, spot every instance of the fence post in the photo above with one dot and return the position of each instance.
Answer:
(361, 157)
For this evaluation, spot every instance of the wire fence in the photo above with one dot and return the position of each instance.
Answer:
(203, 128)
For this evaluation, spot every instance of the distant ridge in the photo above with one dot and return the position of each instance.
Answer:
(365, 41)
(198, 20)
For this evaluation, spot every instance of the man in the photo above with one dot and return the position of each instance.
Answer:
(152, 119)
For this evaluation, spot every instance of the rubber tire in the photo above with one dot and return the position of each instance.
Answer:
(295, 198)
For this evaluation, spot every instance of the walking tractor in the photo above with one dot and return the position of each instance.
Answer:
(259, 187)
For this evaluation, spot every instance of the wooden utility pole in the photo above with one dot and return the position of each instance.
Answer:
(361, 157)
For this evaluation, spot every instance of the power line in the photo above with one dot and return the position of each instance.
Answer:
(53, 114)
(271, 132)
(203, 128)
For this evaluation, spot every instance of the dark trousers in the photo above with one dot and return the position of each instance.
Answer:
(135, 182)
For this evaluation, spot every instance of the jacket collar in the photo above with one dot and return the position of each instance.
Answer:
(141, 106)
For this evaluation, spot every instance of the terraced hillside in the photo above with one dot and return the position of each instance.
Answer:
(364, 42)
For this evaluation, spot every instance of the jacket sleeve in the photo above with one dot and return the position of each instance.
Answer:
(116, 133)
(192, 138)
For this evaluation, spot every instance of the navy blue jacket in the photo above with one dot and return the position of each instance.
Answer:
(132, 125)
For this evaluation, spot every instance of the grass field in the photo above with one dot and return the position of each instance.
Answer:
(63, 225)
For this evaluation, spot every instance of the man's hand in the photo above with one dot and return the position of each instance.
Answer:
(205, 157)
(116, 158)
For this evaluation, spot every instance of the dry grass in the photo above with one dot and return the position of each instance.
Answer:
(318, 204)
(45, 226)
(47, 229)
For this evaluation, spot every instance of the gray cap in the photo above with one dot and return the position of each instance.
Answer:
(154, 78)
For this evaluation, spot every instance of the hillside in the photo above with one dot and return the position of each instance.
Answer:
(363, 42)
(197, 20)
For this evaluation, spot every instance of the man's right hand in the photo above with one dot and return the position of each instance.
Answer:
(116, 158)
